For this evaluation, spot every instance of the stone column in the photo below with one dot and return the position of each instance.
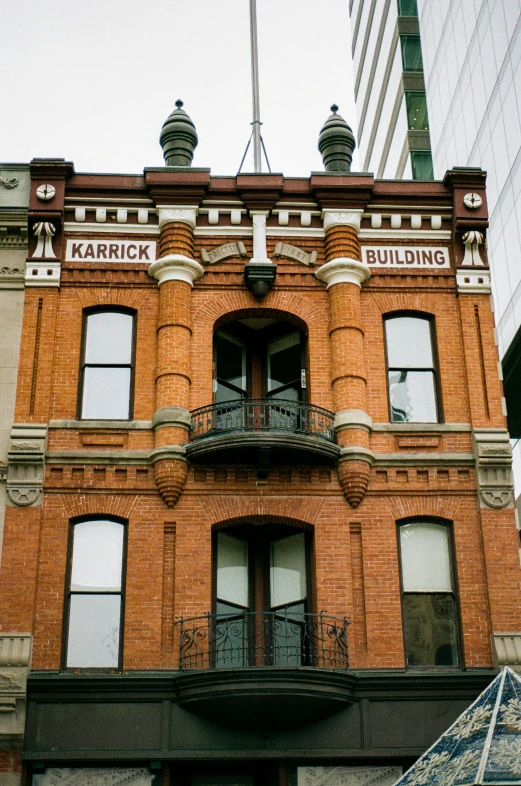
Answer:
(344, 273)
(175, 270)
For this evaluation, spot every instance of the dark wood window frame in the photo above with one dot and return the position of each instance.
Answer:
(458, 640)
(69, 593)
(83, 365)
(430, 319)
(256, 345)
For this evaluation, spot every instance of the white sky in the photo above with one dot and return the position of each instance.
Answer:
(92, 81)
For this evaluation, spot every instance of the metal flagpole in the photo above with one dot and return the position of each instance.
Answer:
(257, 161)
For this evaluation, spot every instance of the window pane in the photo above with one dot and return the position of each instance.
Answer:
(224, 393)
(425, 557)
(94, 631)
(412, 397)
(408, 342)
(430, 630)
(407, 8)
(97, 556)
(232, 570)
(417, 111)
(411, 53)
(421, 163)
(283, 361)
(231, 360)
(106, 394)
(109, 338)
(288, 570)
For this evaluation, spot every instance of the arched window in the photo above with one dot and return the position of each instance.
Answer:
(261, 595)
(411, 370)
(428, 595)
(259, 358)
(107, 365)
(94, 604)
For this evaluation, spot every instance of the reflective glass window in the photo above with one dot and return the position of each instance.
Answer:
(411, 372)
(407, 8)
(411, 53)
(107, 366)
(417, 110)
(95, 595)
(421, 164)
(429, 603)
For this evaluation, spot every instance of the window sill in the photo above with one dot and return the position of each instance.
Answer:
(417, 427)
(131, 425)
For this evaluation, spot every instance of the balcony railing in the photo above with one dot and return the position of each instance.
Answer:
(261, 639)
(262, 415)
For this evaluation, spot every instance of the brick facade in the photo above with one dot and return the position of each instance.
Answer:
(139, 472)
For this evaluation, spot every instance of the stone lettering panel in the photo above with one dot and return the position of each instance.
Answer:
(432, 257)
(89, 250)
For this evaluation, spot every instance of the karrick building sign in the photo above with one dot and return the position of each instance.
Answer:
(259, 524)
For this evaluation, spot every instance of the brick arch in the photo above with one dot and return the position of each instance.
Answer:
(263, 313)
(263, 519)
(405, 301)
(127, 297)
(120, 507)
(424, 506)
(307, 309)
(296, 511)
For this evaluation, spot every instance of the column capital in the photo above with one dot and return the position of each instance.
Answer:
(333, 217)
(343, 270)
(186, 214)
(176, 267)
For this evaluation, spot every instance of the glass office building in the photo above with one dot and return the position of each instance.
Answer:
(472, 70)
(393, 126)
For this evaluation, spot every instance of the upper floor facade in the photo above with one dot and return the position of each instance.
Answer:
(259, 457)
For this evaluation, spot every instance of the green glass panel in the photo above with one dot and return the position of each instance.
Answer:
(417, 111)
(411, 53)
(421, 163)
(407, 8)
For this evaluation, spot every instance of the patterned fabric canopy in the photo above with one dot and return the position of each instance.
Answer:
(482, 748)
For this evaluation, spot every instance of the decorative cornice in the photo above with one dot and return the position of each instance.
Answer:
(169, 213)
(474, 282)
(15, 659)
(342, 217)
(343, 270)
(176, 267)
(493, 454)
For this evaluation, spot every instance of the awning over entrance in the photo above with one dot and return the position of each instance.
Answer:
(483, 747)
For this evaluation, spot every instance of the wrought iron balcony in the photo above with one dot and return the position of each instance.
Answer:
(285, 637)
(264, 423)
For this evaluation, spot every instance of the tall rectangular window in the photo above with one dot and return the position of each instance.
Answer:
(429, 603)
(416, 104)
(94, 599)
(106, 373)
(411, 370)
(411, 53)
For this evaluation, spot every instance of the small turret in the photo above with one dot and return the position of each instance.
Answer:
(178, 138)
(336, 143)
